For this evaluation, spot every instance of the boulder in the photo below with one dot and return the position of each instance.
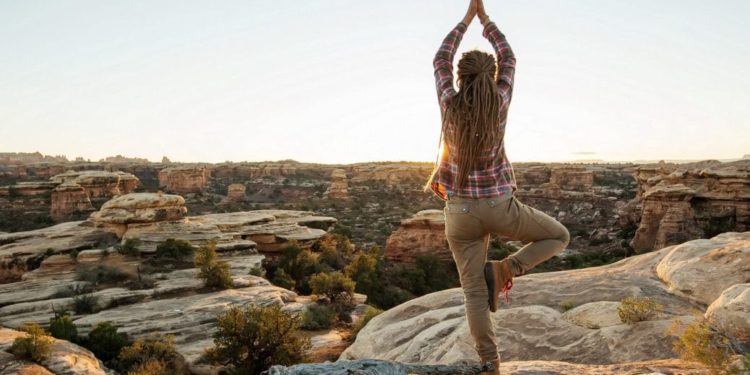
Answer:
(422, 234)
(730, 313)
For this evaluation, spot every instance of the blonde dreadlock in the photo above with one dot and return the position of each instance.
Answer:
(474, 112)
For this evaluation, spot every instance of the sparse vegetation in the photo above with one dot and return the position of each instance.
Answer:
(213, 272)
(105, 342)
(370, 313)
(637, 309)
(252, 338)
(336, 287)
(85, 303)
(35, 346)
(318, 316)
(700, 342)
(174, 249)
(131, 247)
(567, 304)
(150, 355)
(62, 327)
(101, 274)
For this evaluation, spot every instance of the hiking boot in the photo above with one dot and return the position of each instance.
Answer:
(495, 365)
(499, 277)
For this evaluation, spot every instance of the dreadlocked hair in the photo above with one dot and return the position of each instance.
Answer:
(474, 112)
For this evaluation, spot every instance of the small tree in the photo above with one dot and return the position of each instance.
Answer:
(337, 287)
(700, 342)
(252, 338)
(318, 316)
(36, 346)
(62, 327)
(105, 342)
(213, 272)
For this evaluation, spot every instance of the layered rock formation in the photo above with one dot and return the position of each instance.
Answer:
(338, 189)
(573, 178)
(184, 180)
(678, 203)
(682, 278)
(235, 193)
(423, 234)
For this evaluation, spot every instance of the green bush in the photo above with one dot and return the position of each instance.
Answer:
(636, 309)
(105, 342)
(85, 303)
(213, 272)
(149, 355)
(252, 338)
(370, 313)
(71, 291)
(62, 327)
(281, 279)
(256, 271)
(567, 304)
(131, 247)
(35, 346)
(337, 287)
(174, 248)
(101, 274)
(318, 316)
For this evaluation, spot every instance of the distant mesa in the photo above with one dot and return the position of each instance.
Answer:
(184, 180)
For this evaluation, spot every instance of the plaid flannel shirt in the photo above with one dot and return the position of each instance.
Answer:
(498, 178)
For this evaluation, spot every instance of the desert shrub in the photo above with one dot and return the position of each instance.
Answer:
(250, 339)
(256, 271)
(35, 346)
(141, 281)
(214, 273)
(297, 263)
(365, 271)
(131, 247)
(72, 290)
(85, 303)
(337, 287)
(99, 274)
(636, 309)
(62, 327)
(318, 316)
(700, 342)
(149, 355)
(370, 313)
(105, 342)
(567, 304)
(73, 255)
(174, 248)
(282, 279)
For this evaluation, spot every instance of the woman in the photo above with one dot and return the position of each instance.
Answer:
(477, 182)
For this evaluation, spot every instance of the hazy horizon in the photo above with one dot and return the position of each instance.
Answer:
(329, 81)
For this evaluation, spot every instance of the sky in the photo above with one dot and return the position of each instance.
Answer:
(344, 81)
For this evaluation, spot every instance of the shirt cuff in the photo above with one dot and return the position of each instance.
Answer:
(462, 26)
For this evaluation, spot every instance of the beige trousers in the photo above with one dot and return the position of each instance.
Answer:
(468, 225)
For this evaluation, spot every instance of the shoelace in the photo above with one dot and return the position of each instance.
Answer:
(506, 290)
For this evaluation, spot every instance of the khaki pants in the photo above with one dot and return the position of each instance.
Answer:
(468, 224)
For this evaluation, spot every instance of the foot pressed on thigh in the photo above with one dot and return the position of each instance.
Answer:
(499, 278)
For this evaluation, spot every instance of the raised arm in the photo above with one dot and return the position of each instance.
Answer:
(506, 60)
(443, 61)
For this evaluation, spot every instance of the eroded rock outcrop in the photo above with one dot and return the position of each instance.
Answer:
(184, 180)
(679, 203)
(433, 328)
(338, 189)
(423, 234)
(235, 194)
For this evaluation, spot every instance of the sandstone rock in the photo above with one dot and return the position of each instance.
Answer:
(69, 199)
(20, 251)
(423, 234)
(678, 203)
(573, 178)
(703, 269)
(433, 328)
(139, 208)
(99, 185)
(183, 180)
(236, 193)
(594, 314)
(10, 365)
(65, 358)
(338, 189)
(730, 313)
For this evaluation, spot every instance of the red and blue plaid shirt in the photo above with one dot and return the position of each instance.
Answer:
(498, 179)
